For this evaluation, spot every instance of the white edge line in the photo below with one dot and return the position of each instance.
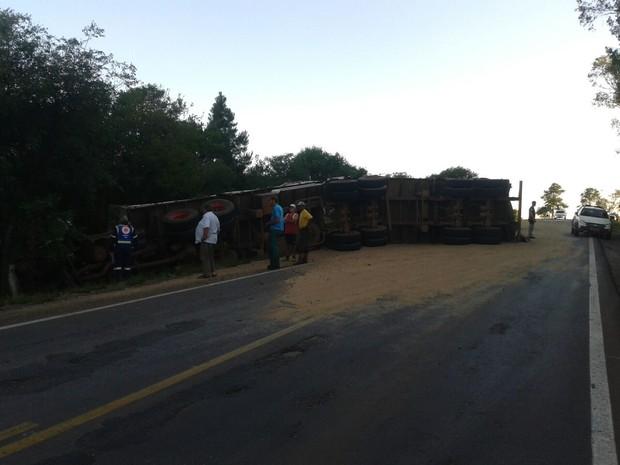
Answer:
(141, 299)
(601, 419)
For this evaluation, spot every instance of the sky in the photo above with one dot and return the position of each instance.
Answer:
(497, 86)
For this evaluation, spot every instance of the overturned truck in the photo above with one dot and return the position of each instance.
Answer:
(348, 214)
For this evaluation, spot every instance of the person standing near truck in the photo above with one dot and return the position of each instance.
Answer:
(206, 234)
(290, 230)
(276, 229)
(303, 241)
(124, 240)
(531, 220)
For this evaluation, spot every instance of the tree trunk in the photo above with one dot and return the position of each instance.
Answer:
(5, 257)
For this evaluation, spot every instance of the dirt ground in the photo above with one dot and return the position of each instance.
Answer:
(387, 276)
(406, 274)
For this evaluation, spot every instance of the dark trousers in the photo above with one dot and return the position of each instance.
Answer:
(122, 257)
(207, 257)
(274, 252)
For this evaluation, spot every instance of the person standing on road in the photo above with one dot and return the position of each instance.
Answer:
(206, 234)
(276, 229)
(531, 220)
(124, 240)
(290, 231)
(303, 242)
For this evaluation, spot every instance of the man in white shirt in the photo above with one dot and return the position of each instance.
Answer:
(207, 231)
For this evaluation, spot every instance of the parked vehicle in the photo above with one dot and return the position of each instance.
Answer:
(559, 214)
(591, 220)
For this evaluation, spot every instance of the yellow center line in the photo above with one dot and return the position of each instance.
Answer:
(117, 404)
(18, 429)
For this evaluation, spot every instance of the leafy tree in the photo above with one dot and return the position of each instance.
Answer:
(155, 146)
(457, 172)
(55, 103)
(613, 202)
(552, 198)
(605, 72)
(313, 163)
(544, 211)
(591, 196)
(223, 141)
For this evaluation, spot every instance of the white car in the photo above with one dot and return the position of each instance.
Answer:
(591, 220)
(559, 215)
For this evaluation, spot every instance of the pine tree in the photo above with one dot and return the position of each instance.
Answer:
(223, 141)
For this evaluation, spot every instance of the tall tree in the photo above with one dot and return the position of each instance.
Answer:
(55, 103)
(223, 141)
(605, 72)
(613, 202)
(591, 196)
(552, 198)
(457, 172)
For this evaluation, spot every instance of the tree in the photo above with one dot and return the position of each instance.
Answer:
(224, 142)
(591, 196)
(544, 212)
(605, 72)
(552, 198)
(55, 104)
(313, 163)
(457, 172)
(155, 143)
(613, 202)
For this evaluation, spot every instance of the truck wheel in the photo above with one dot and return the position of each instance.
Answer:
(221, 207)
(346, 247)
(345, 196)
(373, 192)
(180, 220)
(456, 236)
(341, 185)
(491, 235)
(344, 237)
(379, 232)
(372, 182)
(376, 242)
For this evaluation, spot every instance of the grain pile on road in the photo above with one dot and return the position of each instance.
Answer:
(412, 274)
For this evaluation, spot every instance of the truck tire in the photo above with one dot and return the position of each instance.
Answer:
(180, 220)
(373, 192)
(221, 207)
(372, 182)
(456, 236)
(345, 196)
(457, 192)
(341, 185)
(379, 232)
(346, 247)
(492, 235)
(376, 242)
(344, 237)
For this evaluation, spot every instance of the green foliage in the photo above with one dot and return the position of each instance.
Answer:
(457, 172)
(544, 211)
(155, 145)
(552, 198)
(311, 164)
(223, 141)
(591, 196)
(605, 72)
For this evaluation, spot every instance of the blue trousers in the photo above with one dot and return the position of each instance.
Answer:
(274, 252)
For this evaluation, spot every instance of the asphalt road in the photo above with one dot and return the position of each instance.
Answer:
(501, 377)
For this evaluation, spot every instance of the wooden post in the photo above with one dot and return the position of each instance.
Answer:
(519, 220)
